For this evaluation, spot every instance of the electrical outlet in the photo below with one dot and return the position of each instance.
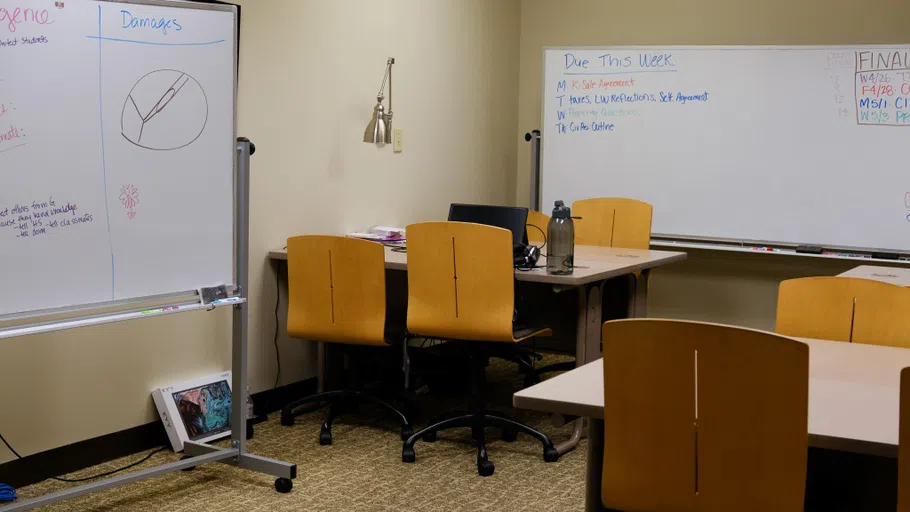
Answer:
(396, 140)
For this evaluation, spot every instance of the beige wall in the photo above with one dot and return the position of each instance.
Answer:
(309, 74)
(722, 287)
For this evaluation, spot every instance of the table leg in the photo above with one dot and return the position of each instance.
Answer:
(593, 322)
(640, 294)
(594, 471)
(587, 341)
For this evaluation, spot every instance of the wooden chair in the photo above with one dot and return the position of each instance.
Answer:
(537, 226)
(903, 449)
(703, 417)
(816, 307)
(844, 309)
(882, 315)
(461, 288)
(613, 222)
(336, 294)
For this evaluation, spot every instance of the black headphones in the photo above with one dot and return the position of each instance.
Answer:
(525, 256)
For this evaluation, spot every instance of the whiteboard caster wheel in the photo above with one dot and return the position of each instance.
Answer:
(284, 485)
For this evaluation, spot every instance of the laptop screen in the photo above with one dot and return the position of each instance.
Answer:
(508, 217)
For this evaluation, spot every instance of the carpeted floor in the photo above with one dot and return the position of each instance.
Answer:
(362, 470)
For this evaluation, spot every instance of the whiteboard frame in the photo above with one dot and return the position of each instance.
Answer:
(77, 310)
(705, 240)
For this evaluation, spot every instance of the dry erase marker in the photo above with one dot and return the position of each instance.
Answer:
(229, 300)
(159, 310)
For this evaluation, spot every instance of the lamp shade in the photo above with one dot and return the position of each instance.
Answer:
(377, 131)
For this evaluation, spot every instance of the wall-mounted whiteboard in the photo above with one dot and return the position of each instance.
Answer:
(116, 151)
(776, 144)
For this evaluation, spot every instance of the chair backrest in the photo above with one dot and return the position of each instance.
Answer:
(816, 307)
(539, 221)
(844, 309)
(460, 281)
(613, 222)
(703, 417)
(336, 290)
(903, 449)
(882, 315)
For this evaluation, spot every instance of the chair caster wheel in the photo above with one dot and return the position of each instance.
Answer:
(531, 379)
(189, 468)
(287, 419)
(509, 435)
(284, 485)
(485, 468)
(430, 437)
(406, 432)
(325, 437)
(550, 454)
(408, 454)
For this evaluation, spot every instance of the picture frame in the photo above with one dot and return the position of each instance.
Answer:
(198, 410)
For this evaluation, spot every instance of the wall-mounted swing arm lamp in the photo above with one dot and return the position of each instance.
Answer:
(379, 131)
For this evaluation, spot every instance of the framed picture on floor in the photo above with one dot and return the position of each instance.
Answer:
(197, 410)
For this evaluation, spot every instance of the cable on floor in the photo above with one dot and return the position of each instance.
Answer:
(109, 473)
(3, 488)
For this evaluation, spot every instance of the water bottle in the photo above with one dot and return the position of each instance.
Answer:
(561, 241)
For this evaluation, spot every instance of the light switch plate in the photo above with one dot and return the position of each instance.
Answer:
(396, 140)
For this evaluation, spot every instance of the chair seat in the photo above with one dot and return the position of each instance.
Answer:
(523, 332)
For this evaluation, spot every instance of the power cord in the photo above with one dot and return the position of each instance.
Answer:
(109, 473)
(3, 488)
(542, 232)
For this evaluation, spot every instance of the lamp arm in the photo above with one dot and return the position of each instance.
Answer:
(387, 77)
(389, 68)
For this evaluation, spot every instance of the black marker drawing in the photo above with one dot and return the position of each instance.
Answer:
(166, 110)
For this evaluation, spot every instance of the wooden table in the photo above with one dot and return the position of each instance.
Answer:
(854, 402)
(593, 267)
(893, 275)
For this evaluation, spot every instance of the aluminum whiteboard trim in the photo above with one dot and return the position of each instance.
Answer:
(859, 259)
(94, 306)
(236, 152)
(104, 305)
(109, 318)
(745, 242)
(180, 4)
(696, 238)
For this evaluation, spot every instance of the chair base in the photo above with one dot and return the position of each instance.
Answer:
(478, 422)
(337, 401)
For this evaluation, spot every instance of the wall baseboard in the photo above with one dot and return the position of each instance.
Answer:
(91, 452)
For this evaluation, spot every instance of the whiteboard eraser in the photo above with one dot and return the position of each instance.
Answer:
(212, 294)
(809, 249)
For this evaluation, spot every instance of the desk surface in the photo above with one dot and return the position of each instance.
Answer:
(854, 395)
(592, 264)
(893, 275)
